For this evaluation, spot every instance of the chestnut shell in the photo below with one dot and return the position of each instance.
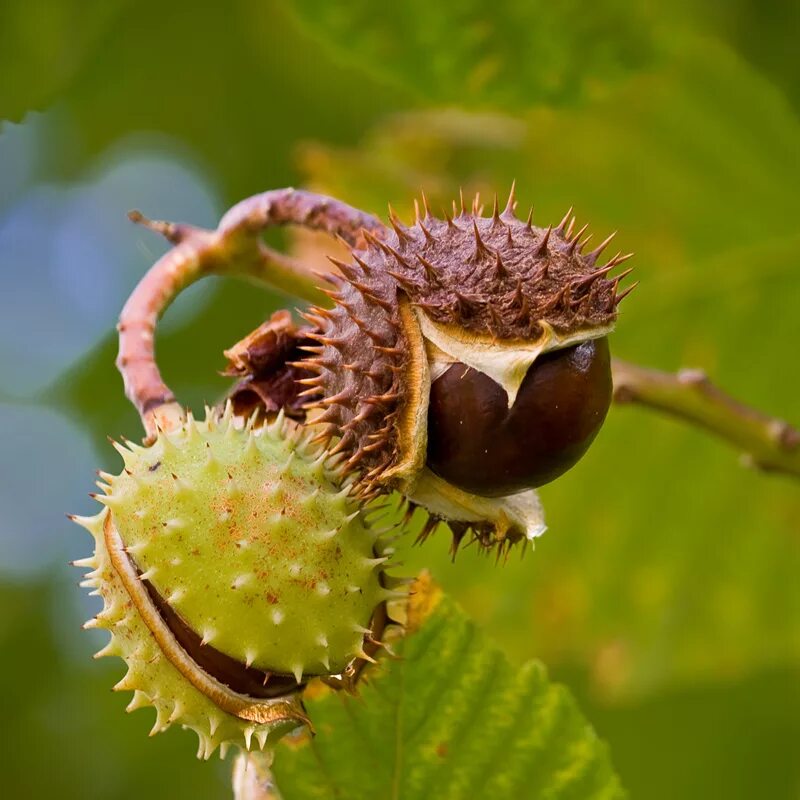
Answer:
(479, 444)
(237, 676)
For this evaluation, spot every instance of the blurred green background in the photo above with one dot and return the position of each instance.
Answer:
(666, 591)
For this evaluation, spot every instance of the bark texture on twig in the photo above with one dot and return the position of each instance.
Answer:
(767, 443)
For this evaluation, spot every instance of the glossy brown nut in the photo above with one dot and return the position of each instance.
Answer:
(477, 443)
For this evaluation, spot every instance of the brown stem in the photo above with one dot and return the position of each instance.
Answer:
(234, 248)
(768, 443)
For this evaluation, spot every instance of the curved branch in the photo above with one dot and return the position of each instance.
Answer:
(234, 248)
(768, 443)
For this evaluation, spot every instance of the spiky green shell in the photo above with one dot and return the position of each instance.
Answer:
(248, 538)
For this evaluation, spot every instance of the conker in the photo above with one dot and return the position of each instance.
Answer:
(479, 444)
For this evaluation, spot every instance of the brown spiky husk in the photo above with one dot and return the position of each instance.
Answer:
(267, 362)
(495, 276)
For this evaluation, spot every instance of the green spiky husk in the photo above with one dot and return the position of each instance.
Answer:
(253, 542)
(155, 681)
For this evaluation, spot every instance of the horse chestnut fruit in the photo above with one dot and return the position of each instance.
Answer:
(234, 564)
(464, 363)
(479, 444)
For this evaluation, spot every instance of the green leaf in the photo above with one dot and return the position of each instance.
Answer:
(514, 53)
(451, 718)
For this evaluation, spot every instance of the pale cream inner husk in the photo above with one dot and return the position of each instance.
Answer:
(521, 512)
(505, 363)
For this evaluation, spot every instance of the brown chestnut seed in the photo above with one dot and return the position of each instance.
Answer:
(479, 444)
